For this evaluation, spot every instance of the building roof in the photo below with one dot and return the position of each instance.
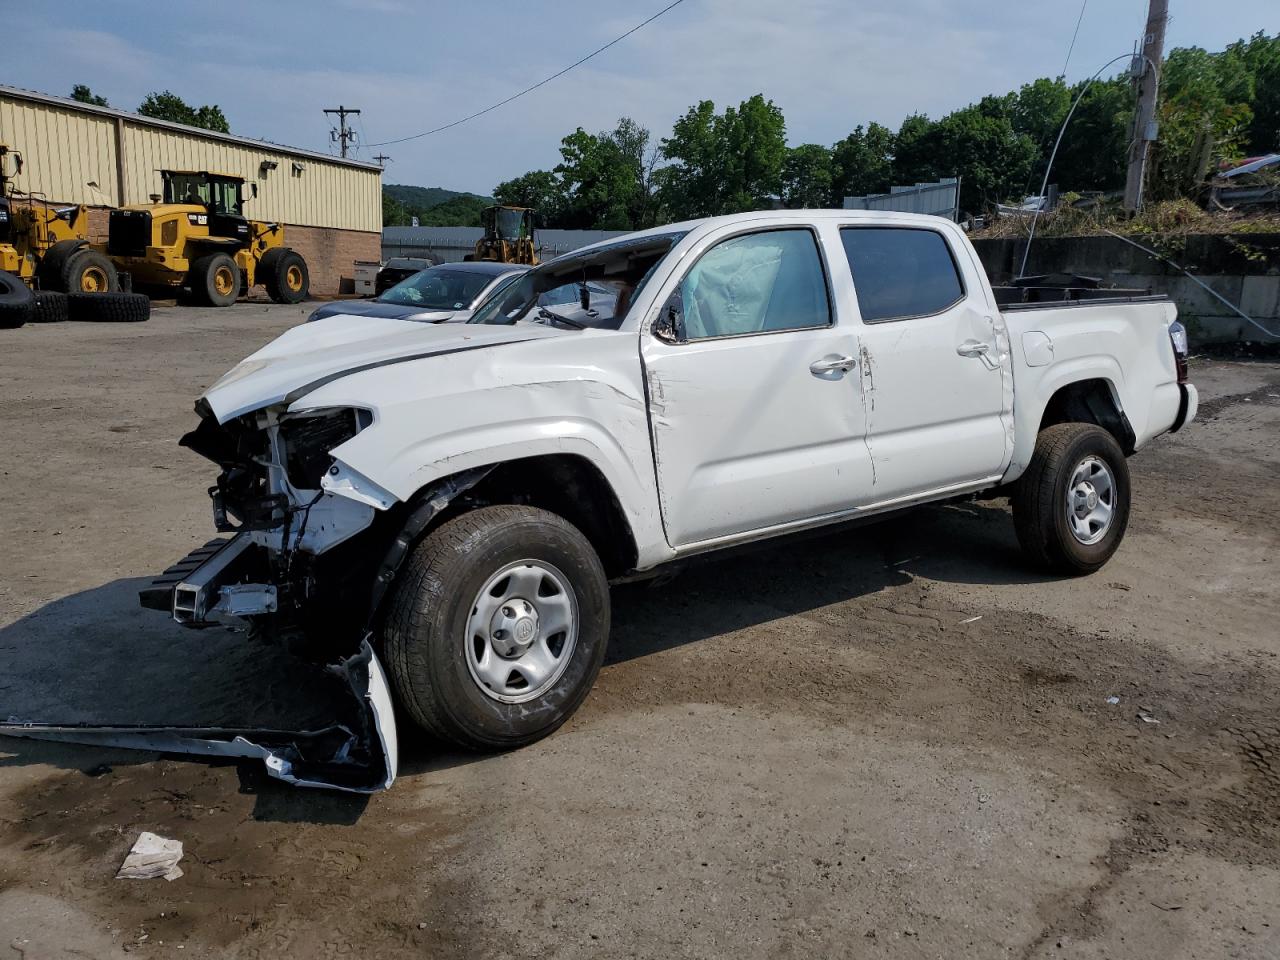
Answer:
(66, 103)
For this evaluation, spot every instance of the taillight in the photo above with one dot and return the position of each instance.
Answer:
(1178, 337)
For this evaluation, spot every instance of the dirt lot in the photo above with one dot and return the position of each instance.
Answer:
(813, 750)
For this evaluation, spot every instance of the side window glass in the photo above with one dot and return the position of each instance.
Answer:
(900, 272)
(754, 284)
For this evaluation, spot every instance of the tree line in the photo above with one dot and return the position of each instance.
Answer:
(164, 105)
(1214, 108)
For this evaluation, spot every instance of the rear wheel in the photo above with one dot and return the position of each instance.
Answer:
(497, 627)
(87, 271)
(17, 303)
(284, 274)
(1071, 507)
(215, 280)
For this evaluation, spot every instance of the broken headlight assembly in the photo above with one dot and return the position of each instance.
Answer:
(308, 438)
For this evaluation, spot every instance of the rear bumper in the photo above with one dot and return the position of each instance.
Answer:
(1188, 404)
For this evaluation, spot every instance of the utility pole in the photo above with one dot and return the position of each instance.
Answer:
(344, 135)
(381, 159)
(1146, 72)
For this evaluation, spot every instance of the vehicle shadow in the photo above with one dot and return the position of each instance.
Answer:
(970, 543)
(96, 657)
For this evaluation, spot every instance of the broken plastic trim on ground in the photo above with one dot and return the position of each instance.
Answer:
(332, 758)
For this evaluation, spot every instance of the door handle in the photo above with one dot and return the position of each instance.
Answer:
(832, 365)
(973, 348)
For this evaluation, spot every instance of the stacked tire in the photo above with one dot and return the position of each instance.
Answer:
(17, 302)
(109, 307)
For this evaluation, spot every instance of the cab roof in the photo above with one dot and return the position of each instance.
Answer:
(205, 173)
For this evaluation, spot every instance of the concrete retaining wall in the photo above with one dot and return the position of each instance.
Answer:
(1244, 268)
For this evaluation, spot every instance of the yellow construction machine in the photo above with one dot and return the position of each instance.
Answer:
(47, 246)
(508, 236)
(198, 237)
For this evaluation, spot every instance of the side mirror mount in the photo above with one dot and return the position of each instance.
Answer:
(669, 327)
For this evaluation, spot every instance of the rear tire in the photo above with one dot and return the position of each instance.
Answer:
(284, 273)
(434, 649)
(215, 280)
(17, 302)
(51, 307)
(1071, 507)
(88, 271)
(109, 307)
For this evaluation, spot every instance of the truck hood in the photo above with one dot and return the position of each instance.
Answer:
(313, 354)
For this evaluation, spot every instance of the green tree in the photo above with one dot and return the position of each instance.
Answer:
(169, 106)
(393, 212)
(1094, 150)
(724, 163)
(862, 163)
(83, 94)
(603, 178)
(806, 177)
(539, 189)
(914, 151)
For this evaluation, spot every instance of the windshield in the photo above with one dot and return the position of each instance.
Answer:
(186, 188)
(438, 288)
(593, 289)
(510, 223)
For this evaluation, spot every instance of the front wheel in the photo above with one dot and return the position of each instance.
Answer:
(215, 280)
(284, 274)
(497, 627)
(1071, 507)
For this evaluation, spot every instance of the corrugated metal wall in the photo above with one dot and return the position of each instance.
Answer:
(65, 150)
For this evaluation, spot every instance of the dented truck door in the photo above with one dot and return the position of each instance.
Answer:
(753, 389)
(936, 369)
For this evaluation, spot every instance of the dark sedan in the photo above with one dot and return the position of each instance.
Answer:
(446, 293)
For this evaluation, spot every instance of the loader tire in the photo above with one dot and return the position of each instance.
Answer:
(109, 307)
(215, 280)
(17, 302)
(51, 307)
(54, 261)
(472, 601)
(284, 274)
(88, 271)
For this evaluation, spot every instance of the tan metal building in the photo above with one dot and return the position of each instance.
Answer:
(78, 153)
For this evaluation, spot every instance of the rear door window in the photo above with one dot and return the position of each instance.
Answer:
(901, 272)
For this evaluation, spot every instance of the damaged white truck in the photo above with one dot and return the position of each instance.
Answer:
(461, 496)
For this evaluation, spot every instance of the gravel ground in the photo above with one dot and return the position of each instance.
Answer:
(809, 750)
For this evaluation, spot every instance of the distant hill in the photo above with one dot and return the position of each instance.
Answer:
(424, 198)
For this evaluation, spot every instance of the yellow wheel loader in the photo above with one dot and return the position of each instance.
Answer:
(198, 237)
(508, 236)
(47, 246)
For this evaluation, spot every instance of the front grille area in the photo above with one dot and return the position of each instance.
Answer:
(129, 233)
(308, 441)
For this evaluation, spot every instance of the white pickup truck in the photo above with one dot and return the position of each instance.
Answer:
(463, 495)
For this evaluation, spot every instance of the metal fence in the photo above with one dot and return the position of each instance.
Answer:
(450, 244)
(941, 199)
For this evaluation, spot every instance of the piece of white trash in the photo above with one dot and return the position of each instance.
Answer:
(152, 856)
(1113, 700)
(1146, 717)
(971, 620)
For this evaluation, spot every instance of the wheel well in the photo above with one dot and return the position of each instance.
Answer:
(1090, 401)
(567, 485)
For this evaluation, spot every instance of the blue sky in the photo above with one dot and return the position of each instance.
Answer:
(273, 65)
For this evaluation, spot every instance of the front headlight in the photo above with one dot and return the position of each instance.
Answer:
(308, 438)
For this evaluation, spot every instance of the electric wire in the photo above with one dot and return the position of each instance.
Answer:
(1079, 19)
(540, 83)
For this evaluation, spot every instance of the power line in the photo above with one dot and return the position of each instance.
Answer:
(1079, 19)
(516, 96)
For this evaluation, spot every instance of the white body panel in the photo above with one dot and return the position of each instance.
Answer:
(741, 439)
